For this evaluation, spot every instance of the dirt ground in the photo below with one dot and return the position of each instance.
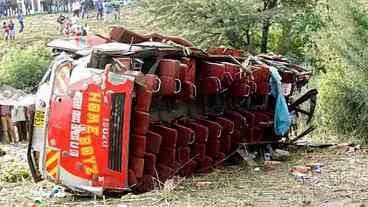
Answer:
(342, 182)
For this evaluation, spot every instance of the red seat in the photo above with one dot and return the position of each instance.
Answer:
(213, 147)
(227, 124)
(219, 160)
(167, 157)
(188, 90)
(238, 119)
(169, 67)
(261, 76)
(198, 151)
(143, 98)
(141, 122)
(188, 73)
(138, 145)
(153, 142)
(240, 88)
(214, 129)
(210, 86)
(152, 83)
(169, 135)
(234, 70)
(205, 166)
(183, 154)
(132, 179)
(225, 144)
(150, 164)
(186, 135)
(201, 131)
(137, 165)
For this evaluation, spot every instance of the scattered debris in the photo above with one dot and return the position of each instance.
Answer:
(280, 155)
(42, 193)
(343, 145)
(303, 172)
(202, 184)
(272, 162)
(316, 167)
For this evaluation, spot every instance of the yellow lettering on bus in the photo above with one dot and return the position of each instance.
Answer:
(91, 160)
(91, 170)
(85, 140)
(94, 97)
(93, 107)
(93, 118)
(95, 130)
(87, 151)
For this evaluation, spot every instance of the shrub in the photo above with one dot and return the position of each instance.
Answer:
(24, 68)
(344, 103)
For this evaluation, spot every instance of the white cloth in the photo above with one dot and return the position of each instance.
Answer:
(18, 114)
(76, 6)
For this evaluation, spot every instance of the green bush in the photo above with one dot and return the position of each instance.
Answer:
(344, 103)
(24, 68)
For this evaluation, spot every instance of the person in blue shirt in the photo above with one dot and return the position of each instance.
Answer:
(20, 18)
(99, 8)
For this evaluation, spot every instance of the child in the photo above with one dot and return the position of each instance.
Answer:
(60, 20)
(6, 31)
(11, 30)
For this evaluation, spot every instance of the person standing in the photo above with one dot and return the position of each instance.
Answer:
(6, 31)
(60, 21)
(116, 11)
(20, 18)
(99, 8)
(84, 9)
(108, 9)
(11, 30)
(18, 117)
(7, 125)
(76, 6)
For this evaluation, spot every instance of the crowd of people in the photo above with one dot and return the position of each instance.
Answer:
(71, 25)
(15, 123)
(9, 27)
(106, 10)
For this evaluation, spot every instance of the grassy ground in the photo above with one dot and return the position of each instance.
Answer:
(40, 29)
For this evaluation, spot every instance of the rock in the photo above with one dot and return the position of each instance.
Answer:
(280, 155)
(272, 163)
(2, 152)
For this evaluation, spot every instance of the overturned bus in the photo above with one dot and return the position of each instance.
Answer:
(125, 113)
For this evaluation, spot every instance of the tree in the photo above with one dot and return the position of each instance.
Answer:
(236, 23)
(343, 91)
(24, 68)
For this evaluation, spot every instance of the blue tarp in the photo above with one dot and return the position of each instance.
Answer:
(282, 119)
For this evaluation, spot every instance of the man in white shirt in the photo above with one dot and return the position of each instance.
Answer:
(18, 116)
(76, 6)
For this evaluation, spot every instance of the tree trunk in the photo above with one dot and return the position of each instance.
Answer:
(265, 31)
(267, 5)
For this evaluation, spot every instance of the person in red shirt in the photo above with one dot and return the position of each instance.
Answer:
(6, 31)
